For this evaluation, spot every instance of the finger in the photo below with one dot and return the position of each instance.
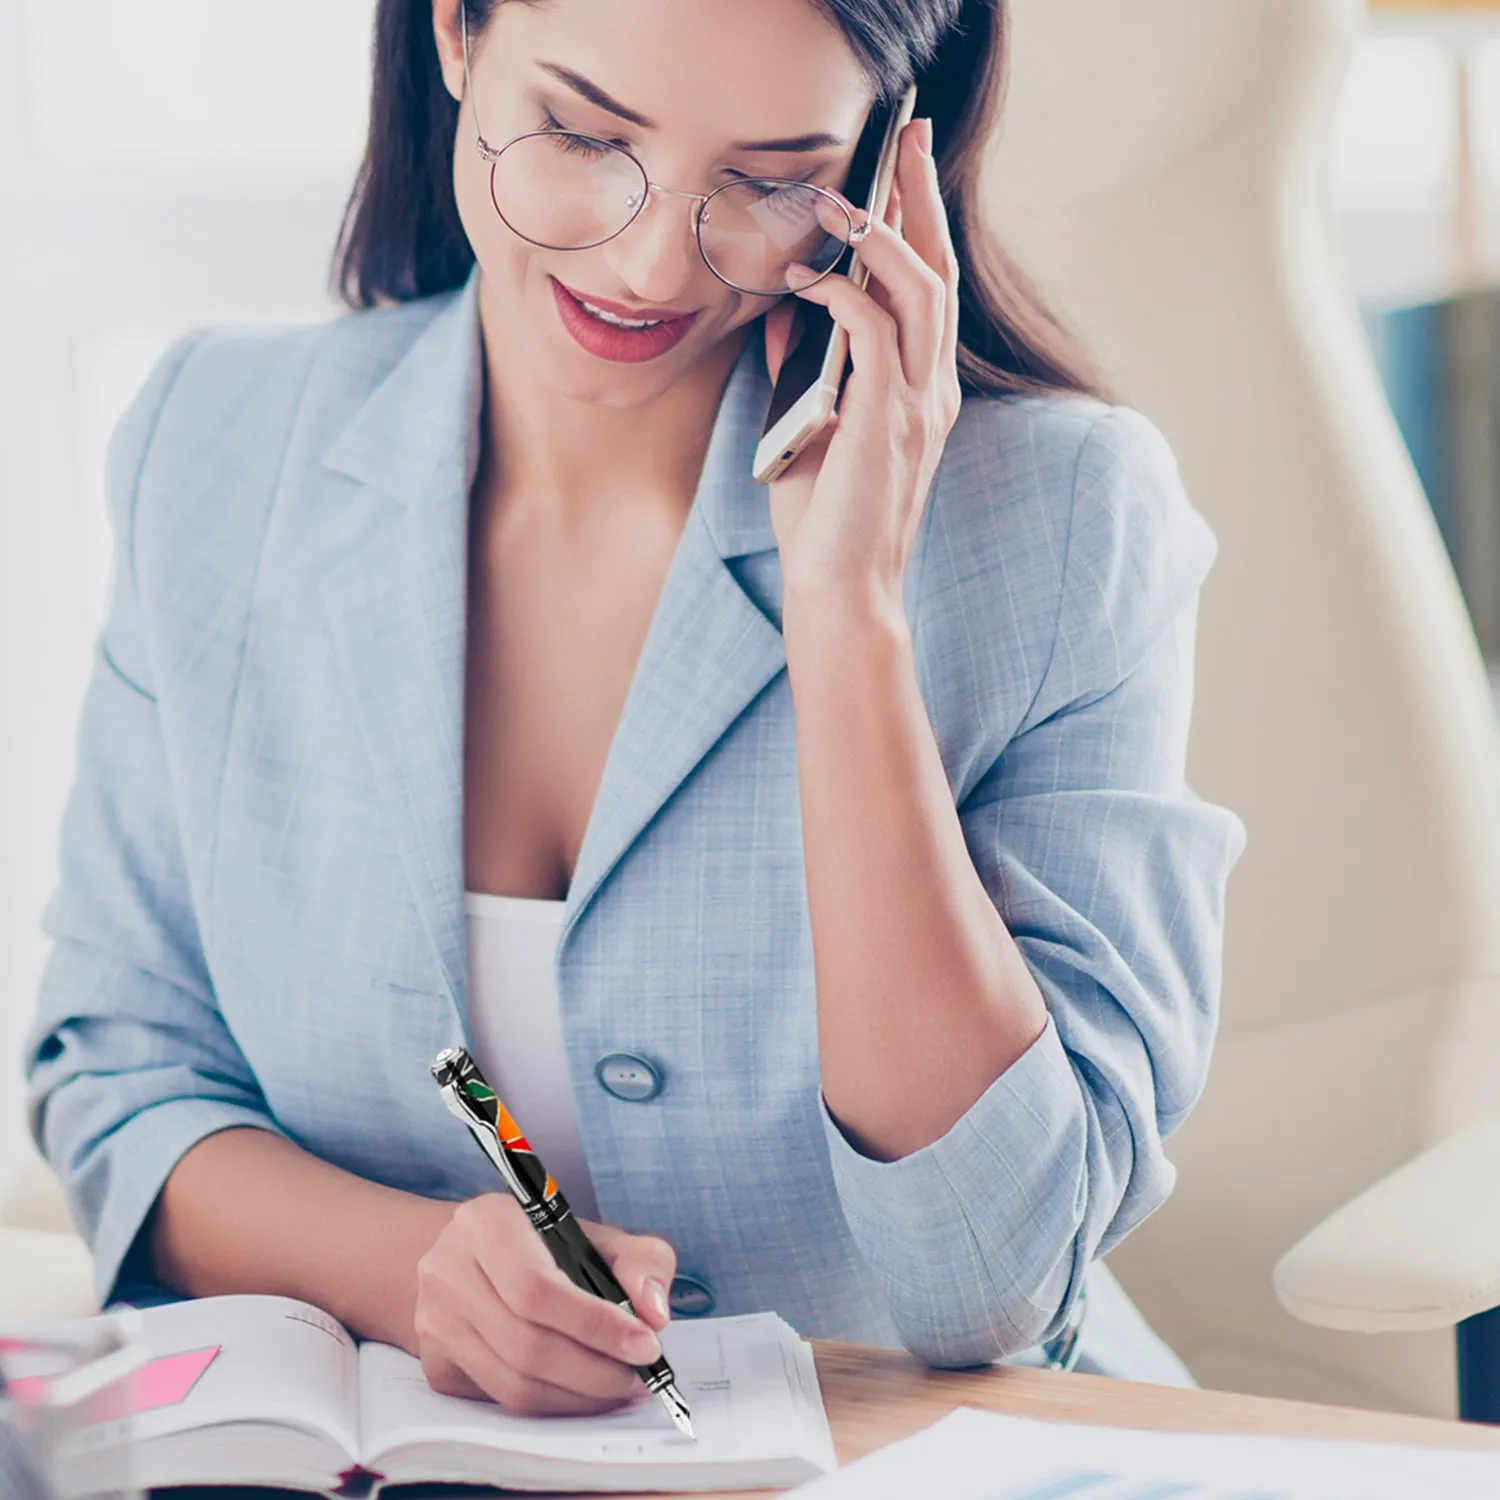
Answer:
(913, 292)
(542, 1354)
(543, 1295)
(644, 1264)
(522, 1273)
(893, 207)
(925, 220)
(470, 1301)
(447, 1379)
(470, 1345)
(874, 339)
(893, 220)
(925, 223)
(517, 1390)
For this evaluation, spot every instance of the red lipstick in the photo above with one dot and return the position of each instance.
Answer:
(609, 340)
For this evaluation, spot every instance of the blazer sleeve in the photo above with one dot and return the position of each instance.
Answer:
(1110, 874)
(128, 1060)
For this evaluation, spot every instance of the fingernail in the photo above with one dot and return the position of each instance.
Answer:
(656, 1297)
(924, 135)
(640, 1346)
(798, 275)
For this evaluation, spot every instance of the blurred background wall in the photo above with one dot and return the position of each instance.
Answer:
(164, 164)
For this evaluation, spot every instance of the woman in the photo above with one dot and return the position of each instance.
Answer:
(812, 868)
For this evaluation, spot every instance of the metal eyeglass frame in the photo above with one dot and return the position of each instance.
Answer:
(857, 232)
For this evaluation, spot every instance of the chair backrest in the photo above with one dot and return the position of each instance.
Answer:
(1163, 172)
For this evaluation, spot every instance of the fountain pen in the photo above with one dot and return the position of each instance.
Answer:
(474, 1102)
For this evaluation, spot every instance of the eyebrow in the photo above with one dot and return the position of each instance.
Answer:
(815, 140)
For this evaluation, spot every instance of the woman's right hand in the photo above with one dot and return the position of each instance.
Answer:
(497, 1319)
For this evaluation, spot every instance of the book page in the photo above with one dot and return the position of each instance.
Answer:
(742, 1377)
(221, 1360)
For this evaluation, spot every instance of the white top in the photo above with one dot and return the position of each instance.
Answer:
(517, 1031)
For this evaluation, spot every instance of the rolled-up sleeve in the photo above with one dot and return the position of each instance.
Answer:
(128, 1060)
(1110, 872)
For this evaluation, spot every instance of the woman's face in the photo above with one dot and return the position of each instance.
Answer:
(701, 92)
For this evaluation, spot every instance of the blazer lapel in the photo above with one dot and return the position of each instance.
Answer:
(397, 608)
(709, 651)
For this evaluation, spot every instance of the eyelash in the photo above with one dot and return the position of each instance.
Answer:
(550, 122)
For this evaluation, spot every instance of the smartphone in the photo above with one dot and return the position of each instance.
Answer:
(812, 375)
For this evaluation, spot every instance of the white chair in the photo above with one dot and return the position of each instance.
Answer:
(45, 1269)
(1163, 172)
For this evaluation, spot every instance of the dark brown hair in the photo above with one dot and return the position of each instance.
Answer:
(401, 237)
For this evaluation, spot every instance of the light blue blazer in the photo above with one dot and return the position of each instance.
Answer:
(260, 915)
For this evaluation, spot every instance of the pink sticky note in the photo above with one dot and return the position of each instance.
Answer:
(166, 1381)
(163, 1382)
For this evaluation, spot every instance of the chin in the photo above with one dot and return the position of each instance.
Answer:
(617, 387)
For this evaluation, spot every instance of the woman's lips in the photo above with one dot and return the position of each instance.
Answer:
(608, 340)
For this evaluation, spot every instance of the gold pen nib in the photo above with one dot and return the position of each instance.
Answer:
(677, 1409)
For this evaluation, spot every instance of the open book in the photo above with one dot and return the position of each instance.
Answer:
(270, 1391)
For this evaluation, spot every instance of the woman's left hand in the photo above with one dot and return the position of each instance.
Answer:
(845, 514)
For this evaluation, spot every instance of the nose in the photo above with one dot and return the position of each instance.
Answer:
(657, 255)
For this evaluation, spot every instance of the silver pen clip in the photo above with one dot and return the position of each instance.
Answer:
(446, 1072)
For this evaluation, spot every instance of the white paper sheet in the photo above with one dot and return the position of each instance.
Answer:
(977, 1455)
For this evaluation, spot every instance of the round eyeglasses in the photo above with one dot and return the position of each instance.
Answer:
(566, 191)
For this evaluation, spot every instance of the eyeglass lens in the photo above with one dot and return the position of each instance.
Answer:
(570, 192)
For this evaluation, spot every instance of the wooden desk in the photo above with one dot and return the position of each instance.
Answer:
(875, 1396)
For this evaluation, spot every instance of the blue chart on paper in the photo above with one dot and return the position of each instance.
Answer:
(1095, 1485)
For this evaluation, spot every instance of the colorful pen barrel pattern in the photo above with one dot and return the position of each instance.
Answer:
(528, 1166)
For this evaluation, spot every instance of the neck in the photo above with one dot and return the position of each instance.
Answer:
(560, 452)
